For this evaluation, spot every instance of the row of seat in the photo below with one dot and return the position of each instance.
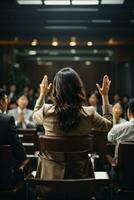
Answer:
(71, 188)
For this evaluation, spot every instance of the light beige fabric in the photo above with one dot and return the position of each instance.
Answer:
(53, 165)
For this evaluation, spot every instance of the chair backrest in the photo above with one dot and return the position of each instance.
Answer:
(66, 144)
(99, 141)
(6, 157)
(7, 165)
(126, 164)
(63, 189)
(29, 139)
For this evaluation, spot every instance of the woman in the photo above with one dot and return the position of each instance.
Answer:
(67, 117)
(117, 113)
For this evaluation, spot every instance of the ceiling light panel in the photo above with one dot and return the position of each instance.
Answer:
(85, 2)
(29, 2)
(112, 1)
(57, 2)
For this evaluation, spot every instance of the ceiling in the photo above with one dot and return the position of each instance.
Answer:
(43, 22)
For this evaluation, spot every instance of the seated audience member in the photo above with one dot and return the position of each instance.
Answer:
(22, 115)
(124, 102)
(117, 112)
(93, 100)
(68, 117)
(31, 98)
(12, 93)
(124, 131)
(8, 133)
(116, 98)
(9, 136)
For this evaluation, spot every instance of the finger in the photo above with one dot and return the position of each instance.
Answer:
(50, 84)
(98, 86)
(44, 80)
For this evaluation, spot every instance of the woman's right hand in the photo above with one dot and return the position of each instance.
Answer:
(44, 87)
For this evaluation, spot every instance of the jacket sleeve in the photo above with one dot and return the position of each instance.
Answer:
(38, 112)
(15, 142)
(103, 123)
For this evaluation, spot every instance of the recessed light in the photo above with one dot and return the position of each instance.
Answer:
(76, 58)
(106, 59)
(101, 20)
(55, 42)
(29, 2)
(112, 1)
(89, 43)
(85, 2)
(34, 42)
(31, 52)
(88, 63)
(55, 2)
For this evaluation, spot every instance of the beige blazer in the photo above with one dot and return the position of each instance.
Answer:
(53, 165)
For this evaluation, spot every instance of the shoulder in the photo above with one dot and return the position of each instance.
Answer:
(12, 111)
(88, 110)
(48, 108)
(121, 126)
(29, 111)
(6, 118)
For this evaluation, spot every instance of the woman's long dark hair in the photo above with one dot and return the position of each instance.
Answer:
(68, 95)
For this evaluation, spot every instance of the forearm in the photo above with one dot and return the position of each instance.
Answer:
(105, 100)
(39, 103)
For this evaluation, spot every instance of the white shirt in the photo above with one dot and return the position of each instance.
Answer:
(121, 132)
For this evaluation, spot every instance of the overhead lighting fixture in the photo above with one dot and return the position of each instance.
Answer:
(68, 9)
(89, 43)
(29, 2)
(72, 51)
(111, 41)
(85, 2)
(67, 21)
(31, 52)
(106, 59)
(66, 27)
(55, 2)
(34, 42)
(132, 21)
(72, 42)
(55, 42)
(112, 1)
(88, 63)
(76, 58)
(101, 21)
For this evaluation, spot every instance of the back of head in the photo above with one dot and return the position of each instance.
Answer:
(131, 106)
(68, 95)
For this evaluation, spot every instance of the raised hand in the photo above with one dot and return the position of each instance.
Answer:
(105, 86)
(44, 87)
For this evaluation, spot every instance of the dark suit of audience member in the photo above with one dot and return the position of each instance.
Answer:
(8, 136)
(22, 115)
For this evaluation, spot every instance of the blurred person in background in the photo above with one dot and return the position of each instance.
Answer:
(22, 115)
(93, 100)
(117, 114)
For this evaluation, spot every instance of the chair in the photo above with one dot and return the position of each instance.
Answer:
(124, 169)
(11, 176)
(29, 139)
(65, 189)
(99, 142)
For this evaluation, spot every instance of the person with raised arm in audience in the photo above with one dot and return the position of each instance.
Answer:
(68, 117)
(22, 115)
